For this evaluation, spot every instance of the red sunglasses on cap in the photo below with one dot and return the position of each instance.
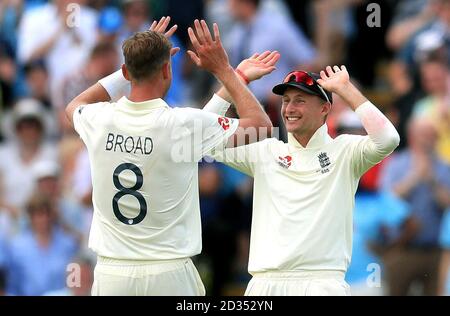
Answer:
(305, 78)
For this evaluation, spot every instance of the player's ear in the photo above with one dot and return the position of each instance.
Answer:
(125, 73)
(166, 70)
(326, 108)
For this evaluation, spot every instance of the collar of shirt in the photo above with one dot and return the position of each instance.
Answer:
(145, 105)
(320, 138)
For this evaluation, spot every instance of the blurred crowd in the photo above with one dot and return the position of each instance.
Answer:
(51, 50)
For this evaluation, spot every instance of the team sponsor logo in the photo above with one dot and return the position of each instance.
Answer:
(285, 162)
(224, 122)
(324, 161)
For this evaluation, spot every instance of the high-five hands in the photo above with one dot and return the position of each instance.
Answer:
(259, 65)
(209, 53)
(161, 27)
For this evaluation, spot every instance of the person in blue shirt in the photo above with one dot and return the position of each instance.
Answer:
(421, 179)
(39, 256)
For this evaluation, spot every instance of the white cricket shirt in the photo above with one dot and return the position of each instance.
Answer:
(304, 196)
(143, 158)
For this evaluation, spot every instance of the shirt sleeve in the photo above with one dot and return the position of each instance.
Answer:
(380, 142)
(242, 158)
(84, 119)
(217, 105)
(209, 131)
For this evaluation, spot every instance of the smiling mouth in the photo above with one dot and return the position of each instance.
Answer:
(292, 118)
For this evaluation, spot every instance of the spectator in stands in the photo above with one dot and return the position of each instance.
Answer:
(103, 61)
(435, 106)
(409, 17)
(40, 254)
(433, 35)
(136, 17)
(60, 34)
(71, 216)
(420, 178)
(23, 151)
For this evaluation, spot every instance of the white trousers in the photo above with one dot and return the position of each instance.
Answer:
(298, 283)
(114, 277)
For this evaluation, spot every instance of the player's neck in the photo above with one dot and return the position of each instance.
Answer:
(304, 137)
(141, 92)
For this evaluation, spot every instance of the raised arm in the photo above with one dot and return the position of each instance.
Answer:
(379, 129)
(210, 55)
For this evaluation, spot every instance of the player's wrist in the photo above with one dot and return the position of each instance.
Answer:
(243, 76)
(225, 73)
(116, 85)
(344, 88)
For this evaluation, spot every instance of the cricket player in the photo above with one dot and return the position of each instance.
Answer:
(301, 234)
(143, 157)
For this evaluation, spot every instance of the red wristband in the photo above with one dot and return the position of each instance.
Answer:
(243, 76)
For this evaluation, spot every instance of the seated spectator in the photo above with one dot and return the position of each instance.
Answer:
(40, 254)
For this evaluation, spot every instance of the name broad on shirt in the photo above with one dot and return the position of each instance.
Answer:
(129, 144)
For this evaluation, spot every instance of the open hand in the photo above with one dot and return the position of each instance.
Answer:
(161, 27)
(334, 79)
(209, 53)
(257, 66)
